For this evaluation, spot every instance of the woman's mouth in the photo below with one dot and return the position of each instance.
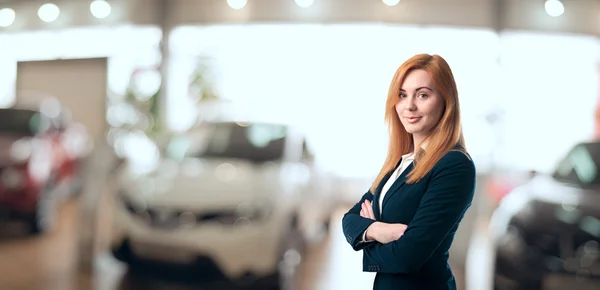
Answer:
(413, 119)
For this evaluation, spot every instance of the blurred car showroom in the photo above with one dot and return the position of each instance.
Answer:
(216, 144)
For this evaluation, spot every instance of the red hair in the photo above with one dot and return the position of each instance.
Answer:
(446, 134)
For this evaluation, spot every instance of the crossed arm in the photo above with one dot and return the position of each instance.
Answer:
(378, 231)
(362, 230)
(449, 194)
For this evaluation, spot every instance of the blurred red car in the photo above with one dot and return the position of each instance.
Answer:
(33, 160)
(71, 141)
(73, 145)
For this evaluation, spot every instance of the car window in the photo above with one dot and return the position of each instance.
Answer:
(580, 166)
(21, 122)
(252, 142)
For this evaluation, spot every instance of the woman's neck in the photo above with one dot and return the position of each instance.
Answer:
(418, 142)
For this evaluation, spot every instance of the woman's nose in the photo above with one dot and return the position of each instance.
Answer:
(410, 104)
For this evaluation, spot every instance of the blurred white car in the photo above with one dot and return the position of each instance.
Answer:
(225, 197)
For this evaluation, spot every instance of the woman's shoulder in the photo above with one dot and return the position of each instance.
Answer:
(457, 157)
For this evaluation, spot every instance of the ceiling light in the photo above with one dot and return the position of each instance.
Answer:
(237, 4)
(391, 2)
(7, 17)
(554, 8)
(48, 12)
(100, 9)
(304, 3)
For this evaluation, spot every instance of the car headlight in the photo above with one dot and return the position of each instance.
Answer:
(242, 215)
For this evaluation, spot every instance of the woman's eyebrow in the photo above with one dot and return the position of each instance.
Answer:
(419, 88)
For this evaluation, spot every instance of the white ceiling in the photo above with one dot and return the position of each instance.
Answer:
(581, 16)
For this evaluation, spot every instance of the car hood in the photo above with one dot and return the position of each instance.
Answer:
(548, 190)
(545, 203)
(208, 183)
(542, 202)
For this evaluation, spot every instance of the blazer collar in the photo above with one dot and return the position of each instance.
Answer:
(397, 184)
(376, 209)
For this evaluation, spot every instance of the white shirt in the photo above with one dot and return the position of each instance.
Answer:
(407, 159)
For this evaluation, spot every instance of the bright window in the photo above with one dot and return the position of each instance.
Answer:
(332, 80)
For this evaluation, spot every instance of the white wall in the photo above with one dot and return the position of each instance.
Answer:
(549, 91)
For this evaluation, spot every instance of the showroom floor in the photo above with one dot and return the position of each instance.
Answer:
(49, 263)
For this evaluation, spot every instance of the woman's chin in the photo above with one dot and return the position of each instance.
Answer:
(410, 130)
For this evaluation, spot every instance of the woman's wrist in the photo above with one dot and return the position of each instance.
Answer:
(372, 231)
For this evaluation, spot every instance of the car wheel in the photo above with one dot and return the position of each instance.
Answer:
(291, 256)
(523, 285)
(122, 252)
(531, 285)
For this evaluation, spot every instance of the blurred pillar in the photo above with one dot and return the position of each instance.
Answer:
(165, 23)
(597, 112)
(98, 169)
(499, 7)
(485, 205)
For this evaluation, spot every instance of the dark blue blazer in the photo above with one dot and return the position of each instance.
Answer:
(432, 208)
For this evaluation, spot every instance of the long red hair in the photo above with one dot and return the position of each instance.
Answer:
(446, 134)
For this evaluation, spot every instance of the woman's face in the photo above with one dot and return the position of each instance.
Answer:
(419, 106)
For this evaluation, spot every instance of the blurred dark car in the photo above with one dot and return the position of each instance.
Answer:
(550, 226)
(29, 165)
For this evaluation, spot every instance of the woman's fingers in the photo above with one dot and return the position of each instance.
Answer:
(366, 210)
(370, 209)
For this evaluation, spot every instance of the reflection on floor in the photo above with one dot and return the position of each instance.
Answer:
(46, 262)
(49, 262)
(330, 264)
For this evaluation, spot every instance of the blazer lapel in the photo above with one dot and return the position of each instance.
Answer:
(376, 209)
(397, 184)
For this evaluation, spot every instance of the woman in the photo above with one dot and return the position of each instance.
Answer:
(406, 222)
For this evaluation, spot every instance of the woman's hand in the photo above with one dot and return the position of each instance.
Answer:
(378, 231)
(384, 232)
(367, 210)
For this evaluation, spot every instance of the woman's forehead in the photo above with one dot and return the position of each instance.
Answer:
(417, 79)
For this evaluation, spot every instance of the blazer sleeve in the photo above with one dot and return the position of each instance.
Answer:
(448, 196)
(354, 225)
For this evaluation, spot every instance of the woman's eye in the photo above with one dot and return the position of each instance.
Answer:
(422, 96)
(402, 96)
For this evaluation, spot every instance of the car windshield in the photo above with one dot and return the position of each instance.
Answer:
(19, 122)
(581, 165)
(250, 141)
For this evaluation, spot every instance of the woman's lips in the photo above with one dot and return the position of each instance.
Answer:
(413, 119)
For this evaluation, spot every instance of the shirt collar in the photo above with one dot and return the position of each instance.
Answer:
(410, 155)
